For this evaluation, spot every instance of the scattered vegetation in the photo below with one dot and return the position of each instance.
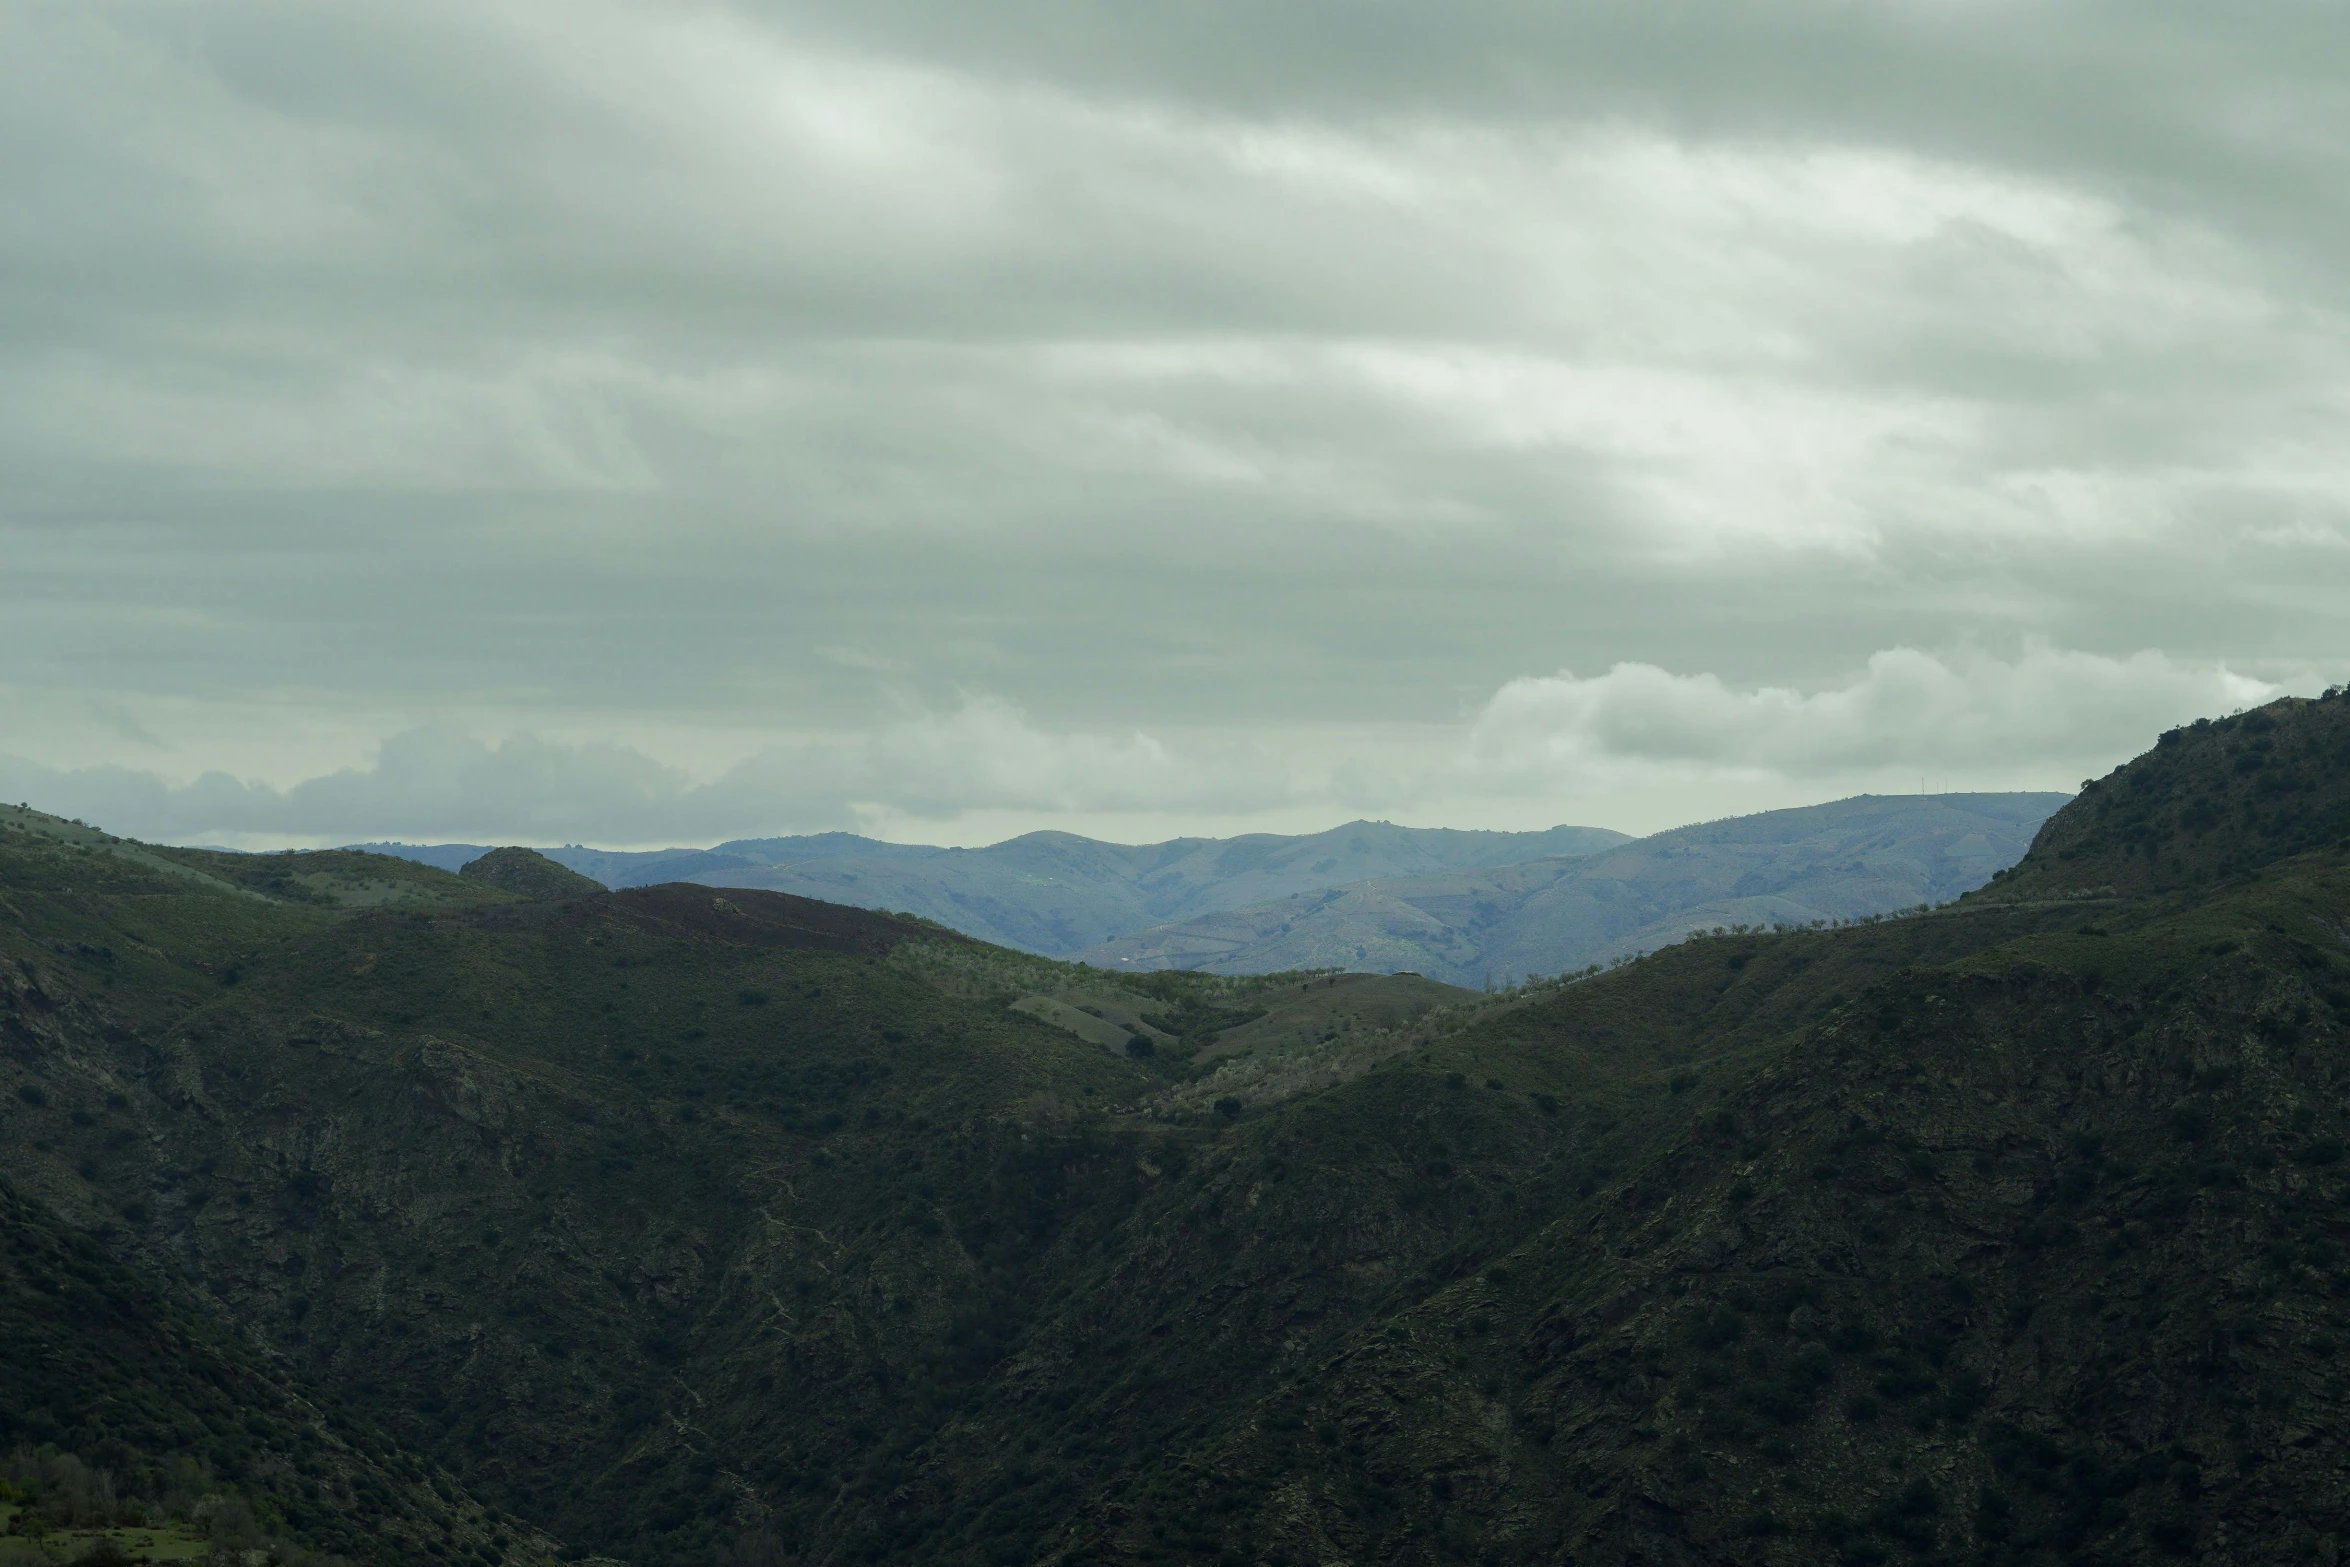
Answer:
(694, 1225)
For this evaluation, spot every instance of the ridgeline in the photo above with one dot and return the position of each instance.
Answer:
(689, 1224)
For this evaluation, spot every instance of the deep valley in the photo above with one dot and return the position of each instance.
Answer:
(497, 1217)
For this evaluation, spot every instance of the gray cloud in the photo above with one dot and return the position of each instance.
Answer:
(1905, 709)
(699, 383)
(1637, 745)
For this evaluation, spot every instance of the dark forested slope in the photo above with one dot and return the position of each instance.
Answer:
(576, 1195)
(685, 1220)
(171, 1407)
(2036, 1255)
(2219, 797)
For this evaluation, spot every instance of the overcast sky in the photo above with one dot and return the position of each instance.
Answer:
(650, 423)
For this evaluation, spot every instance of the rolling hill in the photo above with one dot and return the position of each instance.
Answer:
(2212, 800)
(1464, 906)
(692, 1224)
(1056, 893)
(1850, 859)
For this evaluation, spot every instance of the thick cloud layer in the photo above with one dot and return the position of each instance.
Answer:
(1908, 709)
(1636, 745)
(1150, 417)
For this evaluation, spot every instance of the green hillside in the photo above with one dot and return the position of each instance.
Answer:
(693, 1224)
(198, 1439)
(527, 1183)
(1057, 893)
(2028, 1255)
(2217, 798)
(527, 874)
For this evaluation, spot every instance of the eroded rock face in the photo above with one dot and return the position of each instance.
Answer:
(529, 874)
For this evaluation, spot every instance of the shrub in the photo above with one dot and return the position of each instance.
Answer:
(1718, 1327)
(230, 1523)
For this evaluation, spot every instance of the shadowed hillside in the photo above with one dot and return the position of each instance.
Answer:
(683, 1221)
(2214, 799)
(183, 1424)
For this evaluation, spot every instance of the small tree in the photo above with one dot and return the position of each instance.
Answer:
(229, 1525)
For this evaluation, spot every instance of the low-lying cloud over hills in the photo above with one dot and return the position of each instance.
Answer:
(1638, 748)
(657, 424)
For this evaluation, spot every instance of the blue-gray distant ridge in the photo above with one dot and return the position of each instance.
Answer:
(1873, 854)
(1057, 893)
(1458, 906)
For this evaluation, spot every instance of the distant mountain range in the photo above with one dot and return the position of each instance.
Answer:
(1457, 906)
(1056, 893)
(351, 1209)
(1862, 856)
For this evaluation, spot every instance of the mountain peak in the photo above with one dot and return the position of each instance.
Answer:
(529, 874)
(2213, 799)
